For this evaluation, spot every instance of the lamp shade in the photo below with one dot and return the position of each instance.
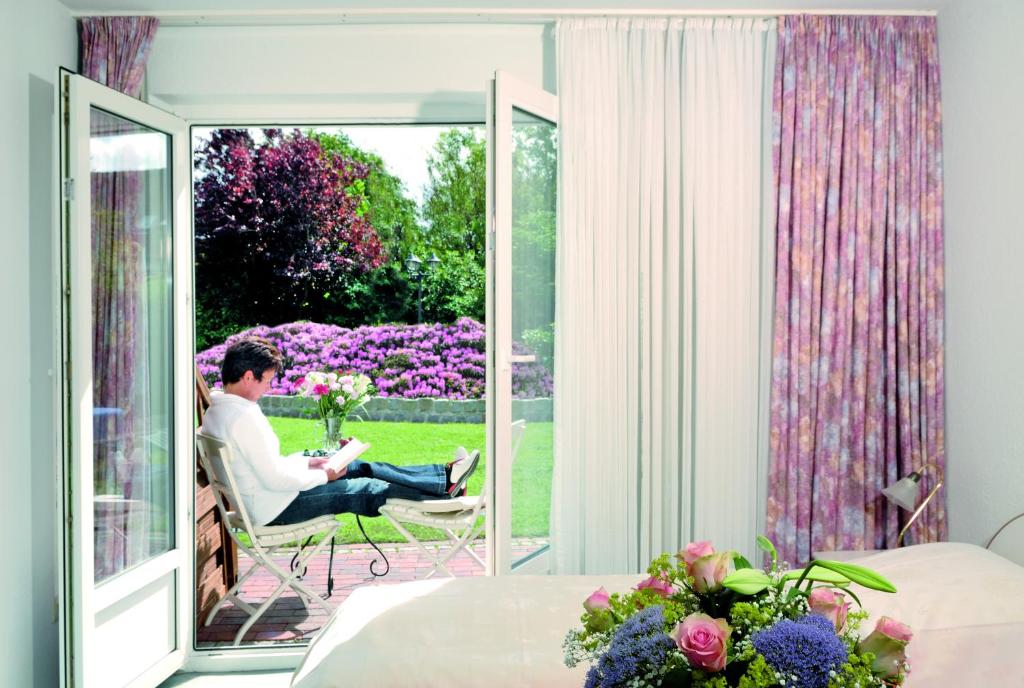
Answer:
(905, 491)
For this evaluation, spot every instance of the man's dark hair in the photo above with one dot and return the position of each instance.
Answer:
(250, 353)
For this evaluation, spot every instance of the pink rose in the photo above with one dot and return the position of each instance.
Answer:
(321, 390)
(888, 642)
(694, 551)
(830, 604)
(703, 641)
(657, 584)
(894, 629)
(709, 571)
(597, 600)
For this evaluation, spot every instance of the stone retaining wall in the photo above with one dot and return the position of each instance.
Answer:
(412, 410)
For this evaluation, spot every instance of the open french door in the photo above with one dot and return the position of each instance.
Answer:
(522, 184)
(127, 330)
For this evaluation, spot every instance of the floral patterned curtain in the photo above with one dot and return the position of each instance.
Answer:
(113, 51)
(857, 388)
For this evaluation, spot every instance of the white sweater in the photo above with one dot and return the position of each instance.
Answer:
(267, 482)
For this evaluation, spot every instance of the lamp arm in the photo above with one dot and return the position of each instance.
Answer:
(917, 512)
(1001, 529)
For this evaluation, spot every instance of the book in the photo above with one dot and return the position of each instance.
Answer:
(346, 455)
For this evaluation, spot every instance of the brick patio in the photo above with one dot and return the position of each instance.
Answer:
(286, 621)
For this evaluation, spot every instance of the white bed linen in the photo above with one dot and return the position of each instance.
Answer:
(966, 608)
(965, 605)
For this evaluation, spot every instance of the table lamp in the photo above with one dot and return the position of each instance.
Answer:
(906, 491)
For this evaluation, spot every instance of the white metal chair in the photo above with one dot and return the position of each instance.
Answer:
(457, 517)
(216, 457)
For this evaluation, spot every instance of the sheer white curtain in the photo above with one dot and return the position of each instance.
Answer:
(664, 287)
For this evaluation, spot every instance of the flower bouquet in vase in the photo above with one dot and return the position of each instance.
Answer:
(711, 620)
(336, 395)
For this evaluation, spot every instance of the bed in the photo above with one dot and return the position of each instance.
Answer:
(965, 604)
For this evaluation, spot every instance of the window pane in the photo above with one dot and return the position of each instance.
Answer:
(130, 188)
(534, 184)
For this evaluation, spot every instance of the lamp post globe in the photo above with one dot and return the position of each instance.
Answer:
(412, 264)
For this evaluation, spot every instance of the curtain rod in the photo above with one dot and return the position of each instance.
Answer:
(285, 17)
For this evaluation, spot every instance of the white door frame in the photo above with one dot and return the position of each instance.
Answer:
(505, 93)
(82, 600)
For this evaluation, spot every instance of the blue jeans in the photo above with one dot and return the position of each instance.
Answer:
(363, 490)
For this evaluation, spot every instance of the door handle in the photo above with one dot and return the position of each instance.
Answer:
(522, 358)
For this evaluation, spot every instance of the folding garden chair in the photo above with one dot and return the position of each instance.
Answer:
(458, 517)
(216, 457)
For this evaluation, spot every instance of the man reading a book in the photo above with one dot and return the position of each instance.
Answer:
(279, 490)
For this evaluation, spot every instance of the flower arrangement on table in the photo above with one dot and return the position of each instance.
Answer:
(337, 395)
(696, 623)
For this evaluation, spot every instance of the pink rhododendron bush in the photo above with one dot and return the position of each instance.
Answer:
(410, 361)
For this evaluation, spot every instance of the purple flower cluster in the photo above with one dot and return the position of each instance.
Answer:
(807, 648)
(410, 361)
(637, 646)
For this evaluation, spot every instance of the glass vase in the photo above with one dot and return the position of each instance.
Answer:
(332, 435)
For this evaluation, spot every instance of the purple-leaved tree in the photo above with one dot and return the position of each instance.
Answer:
(275, 228)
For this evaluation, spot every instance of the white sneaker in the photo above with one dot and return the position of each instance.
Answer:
(461, 468)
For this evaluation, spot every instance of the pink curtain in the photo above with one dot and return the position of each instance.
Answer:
(113, 51)
(857, 383)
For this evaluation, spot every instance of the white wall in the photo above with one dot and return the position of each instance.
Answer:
(424, 72)
(981, 45)
(36, 37)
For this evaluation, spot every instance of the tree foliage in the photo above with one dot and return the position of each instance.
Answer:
(457, 288)
(455, 201)
(277, 227)
(534, 183)
(384, 200)
(309, 226)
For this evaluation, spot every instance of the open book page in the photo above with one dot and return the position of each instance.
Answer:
(346, 454)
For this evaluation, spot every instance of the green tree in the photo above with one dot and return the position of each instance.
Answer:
(456, 289)
(386, 294)
(455, 200)
(384, 200)
(454, 214)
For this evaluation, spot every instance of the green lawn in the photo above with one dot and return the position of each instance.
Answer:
(411, 443)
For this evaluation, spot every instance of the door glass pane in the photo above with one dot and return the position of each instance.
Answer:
(534, 157)
(130, 189)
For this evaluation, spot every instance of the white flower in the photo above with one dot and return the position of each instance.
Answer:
(361, 384)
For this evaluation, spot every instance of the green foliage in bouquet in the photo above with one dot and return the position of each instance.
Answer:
(711, 620)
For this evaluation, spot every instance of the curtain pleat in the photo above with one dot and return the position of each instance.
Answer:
(114, 50)
(857, 391)
(659, 287)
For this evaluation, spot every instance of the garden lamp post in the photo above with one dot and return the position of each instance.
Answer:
(415, 267)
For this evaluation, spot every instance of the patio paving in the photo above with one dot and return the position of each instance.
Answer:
(286, 621)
